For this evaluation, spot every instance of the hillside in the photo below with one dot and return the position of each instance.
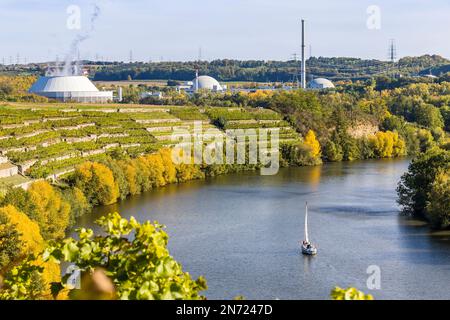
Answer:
(45, 141)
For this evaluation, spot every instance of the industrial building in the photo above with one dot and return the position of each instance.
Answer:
(320, 83)
(202, 83)
(206, 83)
(70, 88)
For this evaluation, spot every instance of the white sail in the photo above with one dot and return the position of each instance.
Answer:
(306, 224)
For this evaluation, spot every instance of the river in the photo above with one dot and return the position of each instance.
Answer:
(242, 232)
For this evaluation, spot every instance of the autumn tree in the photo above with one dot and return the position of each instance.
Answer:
(438, 205)
(78, 202)
(26, 275)
(53, 212)
(311, 141)
(97, 183)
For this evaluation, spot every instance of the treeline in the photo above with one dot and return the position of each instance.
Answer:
(15, 88)
(266, 71)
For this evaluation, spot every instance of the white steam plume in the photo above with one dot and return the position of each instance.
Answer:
(69, 68)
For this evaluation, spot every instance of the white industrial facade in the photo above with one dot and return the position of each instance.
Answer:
(70, 88)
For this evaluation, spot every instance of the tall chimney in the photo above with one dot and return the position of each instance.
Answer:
(196, 79)
(303, 56)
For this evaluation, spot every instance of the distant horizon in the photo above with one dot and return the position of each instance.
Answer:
(218, 59)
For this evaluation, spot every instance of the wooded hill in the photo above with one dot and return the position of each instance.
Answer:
(340, 68)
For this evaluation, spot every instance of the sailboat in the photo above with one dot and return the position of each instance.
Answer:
(307, 247)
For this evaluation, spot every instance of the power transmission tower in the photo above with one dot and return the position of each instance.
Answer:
(131, 56)
(392, 54)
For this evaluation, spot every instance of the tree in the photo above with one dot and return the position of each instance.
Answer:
(311, 141)
(415, 185)
(21, 199)
(429, 116)
(119, 176)
(333, 152)
(10, 244)
(438, 205)
(299, 154)
(26, 276)
(387, 144)
(53, 212)
(130, 174)
(133, 255)
(29, 234)
(350, 148)
(170, 170)
(78, 202)
(97, 183)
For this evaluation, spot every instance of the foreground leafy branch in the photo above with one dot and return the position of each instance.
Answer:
(133, 255)
(349, 294)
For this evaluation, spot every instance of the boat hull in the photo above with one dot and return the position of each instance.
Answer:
(309, 251)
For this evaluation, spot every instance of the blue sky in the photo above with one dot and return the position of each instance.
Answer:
(245, 29)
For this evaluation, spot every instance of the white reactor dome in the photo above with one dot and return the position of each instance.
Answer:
(321, 83)
(206, 82)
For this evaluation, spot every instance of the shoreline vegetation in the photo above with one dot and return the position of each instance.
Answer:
(360, 123)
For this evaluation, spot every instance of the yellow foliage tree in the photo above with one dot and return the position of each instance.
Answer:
(187, 172)
(32, 244)
(170, 171)
(53, 212)
(311, 141)
(387, 144)
(97, 183)
(156, 168)
(130, 174)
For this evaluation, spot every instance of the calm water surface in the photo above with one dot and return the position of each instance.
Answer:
(241, 232)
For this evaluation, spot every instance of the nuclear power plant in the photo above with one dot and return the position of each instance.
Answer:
(66, 83)
(315, 84)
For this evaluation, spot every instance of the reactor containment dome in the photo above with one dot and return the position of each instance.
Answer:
(206, 82)
(320, 83)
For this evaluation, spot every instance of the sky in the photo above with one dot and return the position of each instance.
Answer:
(175, 30)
